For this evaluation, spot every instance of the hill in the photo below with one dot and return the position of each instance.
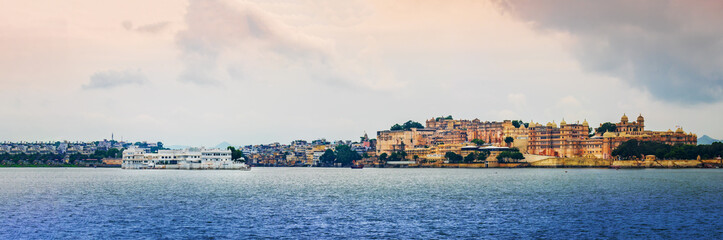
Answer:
(705, 139)
(223, 145)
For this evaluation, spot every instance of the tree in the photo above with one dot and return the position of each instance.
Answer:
(478, 142)
(605, 127)
(345, 156)
(327, 159)
(482, 155)
(634, 149)
(518, 123)
(398, 156)
(411, 124)
(383, 157)
(453, 157)
(236, 153)
(449, 117)
(510, 156)
(470, 158)
(114, 153)
(406, 126)
(509, 140)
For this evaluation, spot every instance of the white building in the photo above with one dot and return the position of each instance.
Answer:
(191, 158)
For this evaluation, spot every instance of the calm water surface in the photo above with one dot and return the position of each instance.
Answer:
(369, 203)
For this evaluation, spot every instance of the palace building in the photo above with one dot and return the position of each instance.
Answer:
(573, 140)
(564, 140)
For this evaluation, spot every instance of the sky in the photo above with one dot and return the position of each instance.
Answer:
(201, 72)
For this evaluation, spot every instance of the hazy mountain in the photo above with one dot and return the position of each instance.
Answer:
(223, 145)
(177, 147)
(705, 139)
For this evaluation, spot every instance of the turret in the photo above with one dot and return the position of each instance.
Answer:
(624, 119)
(641, 120)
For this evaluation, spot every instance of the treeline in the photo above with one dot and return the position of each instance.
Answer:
(510, 156)
(18, 158)
(50, 157)
(634, 149)
(470, 158)
(395, 156)
(343, 156)
(406, 126)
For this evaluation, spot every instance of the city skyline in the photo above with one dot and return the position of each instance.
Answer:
(248, 72)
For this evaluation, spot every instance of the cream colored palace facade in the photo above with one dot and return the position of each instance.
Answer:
(563, 140)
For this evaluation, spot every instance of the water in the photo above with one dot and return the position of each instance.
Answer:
(370, 203)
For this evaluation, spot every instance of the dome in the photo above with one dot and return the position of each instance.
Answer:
(584, 123)
(670, 131)
(679, 130)
(641, 118)
(563, 122)
(624, 118)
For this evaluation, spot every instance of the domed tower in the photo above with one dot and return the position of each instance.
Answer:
(624, 119)
(641, 122)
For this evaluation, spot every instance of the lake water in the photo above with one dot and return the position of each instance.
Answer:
(44, 203)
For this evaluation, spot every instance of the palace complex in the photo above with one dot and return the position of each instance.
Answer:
(443, 135)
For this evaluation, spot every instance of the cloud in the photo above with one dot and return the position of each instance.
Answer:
(668, 48)
(225, 33)
(128, 25)
(229, 41)
(111, 79)
(517, 99)
(569, 102)
(152, 28)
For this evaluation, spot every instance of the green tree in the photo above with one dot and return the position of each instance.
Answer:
(518, 123)
(406, 126)
(605, 127)
(478, 142)
(510, 156)
(470, 158)
(453, 157)
(383, 157)
(397, 156)
(509, 140)
(411, 124)
(114, 153)
(327, 159)
(345, 156)
(236, 154)
(482, 155)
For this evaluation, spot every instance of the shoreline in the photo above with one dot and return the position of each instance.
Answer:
(543, 163)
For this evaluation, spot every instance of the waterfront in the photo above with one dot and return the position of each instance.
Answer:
(369, 203)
